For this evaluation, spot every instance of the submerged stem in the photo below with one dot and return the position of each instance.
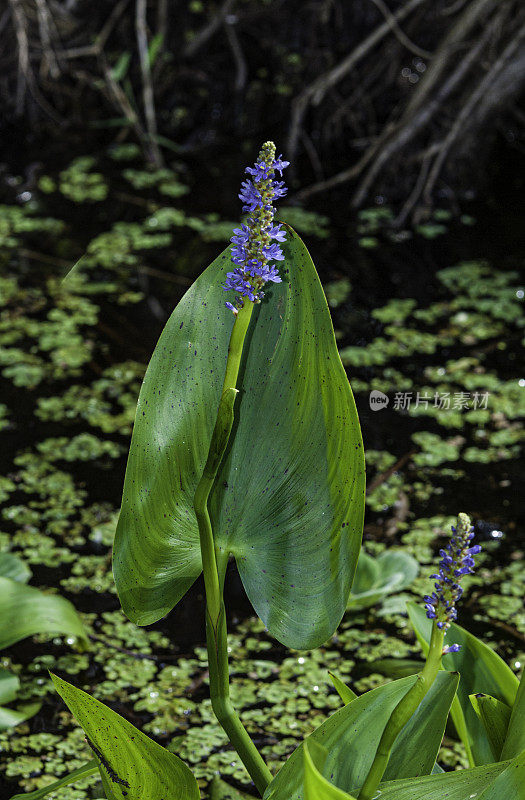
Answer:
(401, 714)
(216, 633)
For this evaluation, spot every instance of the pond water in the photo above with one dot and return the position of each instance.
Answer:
(429, 319)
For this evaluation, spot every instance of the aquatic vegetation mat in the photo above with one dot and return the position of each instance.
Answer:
(72, 357)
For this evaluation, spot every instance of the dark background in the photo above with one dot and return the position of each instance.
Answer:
(408, 103)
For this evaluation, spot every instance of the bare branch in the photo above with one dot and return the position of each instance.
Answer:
(209, 30)
(147, 85)
(315, 92)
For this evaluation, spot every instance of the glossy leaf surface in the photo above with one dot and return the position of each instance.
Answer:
(316, 787)
(480, 782)
(510, 784)
(351, 735)
(494, 716)
(464, 784)
(25, 611)
(346, 694)
(289, 497)
(515, 740)
(481, 670)
(128, 760)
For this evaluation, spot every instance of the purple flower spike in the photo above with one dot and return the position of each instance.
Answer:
(253, 248)
(451, 648)
(456, 560)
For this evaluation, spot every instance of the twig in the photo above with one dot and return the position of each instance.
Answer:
(467, 112)
(316, 90)
(384, 476)
(241, 71)
(208, 31)
(120, 98)
(508, 628)
(23, 77)
(398, 33)
(44, 26)
(416, 191)
(147, 85)
(454, 39)
(406, 132)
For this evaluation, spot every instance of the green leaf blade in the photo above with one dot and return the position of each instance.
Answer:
(316, 787)
(515, 739)
(346, 694)
(126, 757)
(288, 502)
(156, 555)
(494, 716)
(351, 735)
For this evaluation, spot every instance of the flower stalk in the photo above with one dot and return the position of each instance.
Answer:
(252, 253)
(457, 560)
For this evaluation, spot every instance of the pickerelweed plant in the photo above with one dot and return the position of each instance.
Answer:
(247, 444)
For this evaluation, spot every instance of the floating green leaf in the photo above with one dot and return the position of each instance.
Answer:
(128, 760)
(25, 611)
(375, 578)
(288, 500)
(9, 717)
(71, 777)
(219, 790)
(481, 670)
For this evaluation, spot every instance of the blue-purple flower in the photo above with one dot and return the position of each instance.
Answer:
(456, 560)
(253, 248)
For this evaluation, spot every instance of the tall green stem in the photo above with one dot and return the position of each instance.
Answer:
(401, 714)
(216, 633)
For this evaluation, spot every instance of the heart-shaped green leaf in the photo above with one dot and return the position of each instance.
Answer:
(515, 740)
(351, 735)
(494, 716)
(289, 496)
(481, 670)
(25, 611)
(128, 760)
